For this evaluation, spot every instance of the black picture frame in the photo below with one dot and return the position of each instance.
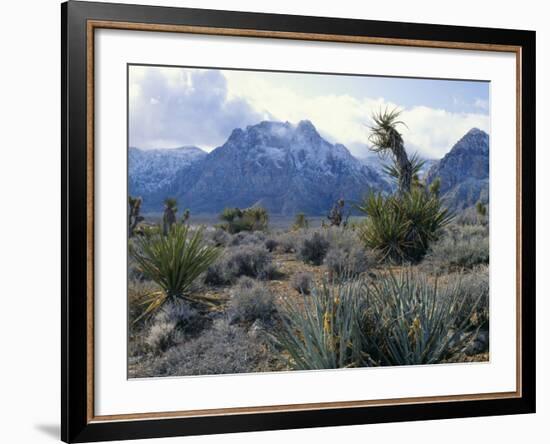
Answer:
(76, 423)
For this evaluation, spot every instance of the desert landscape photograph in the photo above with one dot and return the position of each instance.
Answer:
(282, 221)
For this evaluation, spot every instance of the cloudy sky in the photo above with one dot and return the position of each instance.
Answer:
(172, 107)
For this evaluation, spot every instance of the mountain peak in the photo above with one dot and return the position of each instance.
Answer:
(475, 131)
(475, 141)
(464, 170)
(190, 149)
(306, 126)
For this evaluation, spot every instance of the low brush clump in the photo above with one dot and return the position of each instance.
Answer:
(348, 261)
(247, 260)
(219, 237)
(460, 247)
(247, 238)
(171, 324)
(251, 301)
(251, 261)
(271, 244)
(313, 248)
(222, 349)
(288, 242)
(302, 282)
(474, 288)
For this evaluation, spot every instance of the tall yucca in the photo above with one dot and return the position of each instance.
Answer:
(173, 262)
(386, 139)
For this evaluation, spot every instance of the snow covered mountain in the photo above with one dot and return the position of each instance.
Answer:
(464, 171)
(154, 170)
(290, 168)
(283, 167)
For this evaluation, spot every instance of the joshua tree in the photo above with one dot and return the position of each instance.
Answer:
(169, 216)
(230, 214)
(386, 139)
(133, 216)
(435, 187)
(258, 216)
(186, 215)
(481, 209)
(336, 213)
(249, 219)
(300, 221)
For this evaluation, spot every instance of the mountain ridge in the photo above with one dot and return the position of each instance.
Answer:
(287, 168)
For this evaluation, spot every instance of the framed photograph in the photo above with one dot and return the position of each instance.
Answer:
(275, 221)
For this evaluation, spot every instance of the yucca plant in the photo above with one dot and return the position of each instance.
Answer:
(384, 230)
(402, 227)
(324, 331)
(173, 262)
(416, 321)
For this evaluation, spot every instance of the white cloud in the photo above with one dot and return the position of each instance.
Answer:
(172, 107)
(345, 119)
(481, 104)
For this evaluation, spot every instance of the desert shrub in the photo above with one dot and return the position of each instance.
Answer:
(412, 320)
(247, 238)
(251, 301)
(313, 248)
(474, 287)
(477, 215)
(217, 274)
(271, 244)
(460, 247)
(181, 315)
(222, 349)
(173, 262)
(326, 331)
(301, 282)
(248, 260)
(402, 227)
(236, 220)
(288, 242)
(348, 262)
(270, 272)
(219, 237)
(161, 336)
